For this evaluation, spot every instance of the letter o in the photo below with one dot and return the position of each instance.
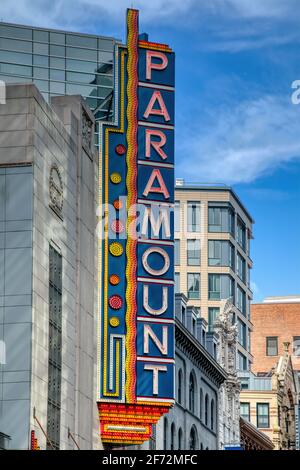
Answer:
(163, 253)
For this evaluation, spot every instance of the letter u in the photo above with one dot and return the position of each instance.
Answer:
(146, 305)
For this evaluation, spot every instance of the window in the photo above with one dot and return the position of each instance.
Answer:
(212, 414)
(177, 283)
(193, 441)
(241, 300)
(214, 286)
(193, 252)
(241, 267)
(193, 216)
(220, 253)
(55, 337)
(213, 313)
(179, 387)
(180, 443)
(177, 216)
(296, 346)
(193, 285)
(172, 436)
(165, 434)
(241, 233)
(192, 392)
(177, 252)
(245, 411)
(220, 286)
(206, 410)
(262, 413)
(220, 219)
(244, 383)
(242, 361)
(272, 345)
(201, 404)
(242, 333)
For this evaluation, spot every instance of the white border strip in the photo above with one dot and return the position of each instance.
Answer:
(155, 124)
(155, 359)
(156, 320)
(154, 164)
(155, 281)
(156, 85)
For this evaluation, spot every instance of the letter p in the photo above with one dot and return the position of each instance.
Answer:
(154, 65)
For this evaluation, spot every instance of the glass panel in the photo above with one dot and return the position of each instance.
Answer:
(40, 48)
(16, 69)
(57, 38)
(193, 217)
(106, 57)
(57, 63)
(82, 77)
(11, 79)
(40, 73)
(40, 60)
(56, 87)
(193, 252)
(15, 45)
(42, 36)
(85, 54)
(43, 85)
(57, 50)
(177, 252)
(57, 75)
(213, 313)
(193, 286)
(105, 69)
(81, 66)
(81, 41)
(177, 283)
(84, 90)
(106, 44)
(18, 57)
(15, 32)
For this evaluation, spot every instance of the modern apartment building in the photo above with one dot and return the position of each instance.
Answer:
(213, 231)
(60, 63)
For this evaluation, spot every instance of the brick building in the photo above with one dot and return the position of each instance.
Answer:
(275, 321)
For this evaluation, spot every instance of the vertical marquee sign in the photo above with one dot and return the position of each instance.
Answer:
(136, 288)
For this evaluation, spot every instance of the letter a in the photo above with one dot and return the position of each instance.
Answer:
(162, 111)
(162, 189)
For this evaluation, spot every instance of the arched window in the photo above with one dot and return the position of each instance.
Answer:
(165, 433)
(180, 439)
(206, 410)
(179, 387)
(193, 439)
(192, 392)
(201, 404)
(172, 436)
(212, 414)
(201, 446)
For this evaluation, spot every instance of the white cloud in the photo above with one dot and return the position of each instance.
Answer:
(240, 144)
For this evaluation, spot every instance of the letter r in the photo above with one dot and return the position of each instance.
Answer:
(156, 144)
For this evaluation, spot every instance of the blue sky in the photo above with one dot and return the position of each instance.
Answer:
(235, 121)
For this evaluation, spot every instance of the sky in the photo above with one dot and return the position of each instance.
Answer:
(236, 122)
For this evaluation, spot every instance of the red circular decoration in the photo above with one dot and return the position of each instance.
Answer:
(118, 204)
(114, 279)
(120, 149)
(115, 302)
(117, 226)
